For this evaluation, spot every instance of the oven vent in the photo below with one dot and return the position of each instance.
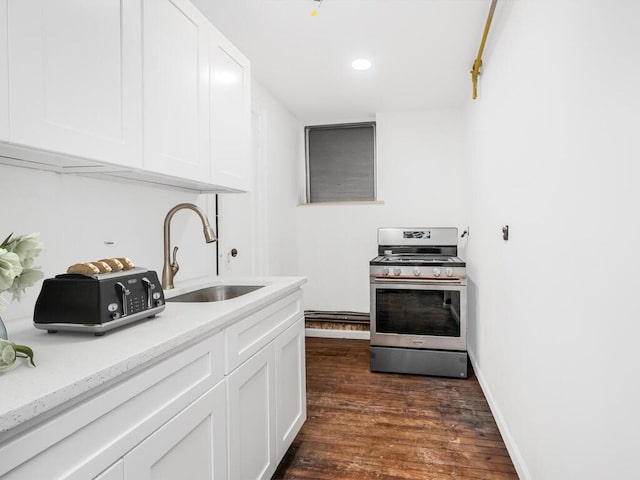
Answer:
(336, 320)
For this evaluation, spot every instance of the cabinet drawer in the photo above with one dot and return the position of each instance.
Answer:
(245, 338)
(84, 440)
(193, 444)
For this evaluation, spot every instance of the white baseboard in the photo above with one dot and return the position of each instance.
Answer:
(327, 333)
(512, 448)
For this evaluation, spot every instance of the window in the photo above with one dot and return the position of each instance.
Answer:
(341, 162)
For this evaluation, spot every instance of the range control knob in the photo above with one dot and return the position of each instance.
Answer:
(385, 271)
(416, 271)
(436, 272)
(396, 271)
(449, 272)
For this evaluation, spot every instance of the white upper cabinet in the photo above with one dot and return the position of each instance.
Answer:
(146, 90)
(4, 75)
(176, 98)
(75, 71)
(230, 87)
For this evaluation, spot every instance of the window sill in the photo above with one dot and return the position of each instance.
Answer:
(320, 204)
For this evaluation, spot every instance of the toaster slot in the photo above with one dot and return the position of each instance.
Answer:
(123, 292)
(148, 286)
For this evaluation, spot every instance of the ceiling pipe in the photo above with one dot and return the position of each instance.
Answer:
(475, 71)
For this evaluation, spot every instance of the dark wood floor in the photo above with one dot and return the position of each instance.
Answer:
(364, 425)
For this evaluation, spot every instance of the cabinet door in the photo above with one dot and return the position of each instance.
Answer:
(291, 385)
(230, 86)
(251, 387)
(76, 77)
(176, 97)
(114, 472)
(191, 445)
(4, 75)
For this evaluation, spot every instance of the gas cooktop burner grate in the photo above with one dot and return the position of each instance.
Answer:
(417, 261)
(416, 258)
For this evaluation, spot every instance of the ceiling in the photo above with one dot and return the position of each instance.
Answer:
(422, 52)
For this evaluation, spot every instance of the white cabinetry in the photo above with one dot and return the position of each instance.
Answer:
(4, 74)
(176, 82)
(226, 407)
(252, 414)
(145, 90)
(191, 445)
(290, 386)
(267, 401)
(75, 78)
(114, 472)
(230, 86)
(83, 441)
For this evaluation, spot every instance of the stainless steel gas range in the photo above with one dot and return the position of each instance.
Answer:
(419, 303)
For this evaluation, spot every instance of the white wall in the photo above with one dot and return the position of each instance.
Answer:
(267, 214)
(554, 327)
(422, 180)
(76, 216)
(279, 178)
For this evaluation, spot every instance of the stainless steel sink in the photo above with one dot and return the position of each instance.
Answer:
(215, 294)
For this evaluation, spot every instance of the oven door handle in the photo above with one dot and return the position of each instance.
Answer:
(412, 281)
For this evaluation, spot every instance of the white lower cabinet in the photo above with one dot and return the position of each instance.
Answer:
(114, 472)
(267, 405)
(190, 445)
(225, 408)
(84, 440)
(291, 411)
(252, 412)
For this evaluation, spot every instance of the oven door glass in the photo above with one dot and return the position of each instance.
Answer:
(422, 311)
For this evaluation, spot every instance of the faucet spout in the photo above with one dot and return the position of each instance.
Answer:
(169, 268)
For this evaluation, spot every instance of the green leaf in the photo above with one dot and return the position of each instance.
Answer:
(6, 240)
(25, 352)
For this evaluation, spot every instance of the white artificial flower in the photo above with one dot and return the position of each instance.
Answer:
(28, 277)
(10, 268)
(27, 247)
(7, 354)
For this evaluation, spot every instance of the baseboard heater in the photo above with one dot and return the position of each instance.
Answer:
(336, 316)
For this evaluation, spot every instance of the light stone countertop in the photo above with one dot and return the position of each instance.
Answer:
(71, 365)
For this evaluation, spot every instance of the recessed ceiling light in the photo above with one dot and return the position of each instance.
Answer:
(361, 64)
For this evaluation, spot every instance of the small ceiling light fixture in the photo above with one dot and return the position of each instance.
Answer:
(361, 64)
(314, 12)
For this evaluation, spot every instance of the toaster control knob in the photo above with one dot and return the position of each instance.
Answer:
(396, 271)
(436, 272)
(416, 271)
(385, 271)
(449, 272)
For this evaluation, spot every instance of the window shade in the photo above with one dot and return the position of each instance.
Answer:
(341, 163)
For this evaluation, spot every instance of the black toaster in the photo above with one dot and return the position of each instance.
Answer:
(98, 303)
